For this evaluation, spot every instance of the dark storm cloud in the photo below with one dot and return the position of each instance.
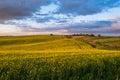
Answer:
(86, 7)
(74, 27)
(92, 24)
(16, 8)
(10, 9)
(102, 27)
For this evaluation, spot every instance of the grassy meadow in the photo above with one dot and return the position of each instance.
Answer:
(45, 57)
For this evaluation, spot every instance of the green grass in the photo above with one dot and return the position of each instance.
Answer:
(59, 58)
(108, 43)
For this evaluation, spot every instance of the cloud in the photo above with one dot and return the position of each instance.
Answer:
(97, 27)
(110, 27)
(86, 7)
(11, 9)
(39, 16)
(56, 32)
(9, 29)
(72, 26)
(90, 24)
(49, 9)
(117, 24)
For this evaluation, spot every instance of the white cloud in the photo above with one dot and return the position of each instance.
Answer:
(117, 24)
(104, 15)
(9, 29)
(58, 32)
(49, 9)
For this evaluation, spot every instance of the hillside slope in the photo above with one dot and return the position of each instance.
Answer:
(58, 58)
(42, 43)
(106, 43)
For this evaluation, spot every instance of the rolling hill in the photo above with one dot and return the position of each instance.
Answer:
(44, 57)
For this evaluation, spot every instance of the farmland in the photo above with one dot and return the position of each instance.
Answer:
(44, 57)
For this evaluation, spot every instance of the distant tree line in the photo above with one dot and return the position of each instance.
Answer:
(80, 34)
(99, 35)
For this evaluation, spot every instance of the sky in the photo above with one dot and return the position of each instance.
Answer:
(28, 17)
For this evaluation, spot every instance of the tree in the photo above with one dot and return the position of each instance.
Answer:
(51, 34)
(99, 35)
(92, 35)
